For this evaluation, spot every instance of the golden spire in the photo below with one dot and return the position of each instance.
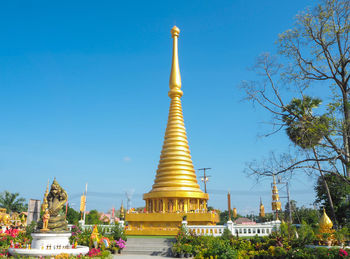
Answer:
(175, 77)
(325, 221)
(175, 175)
(276, 204)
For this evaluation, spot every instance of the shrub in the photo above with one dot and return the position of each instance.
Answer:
(118, 233)
(227, 234)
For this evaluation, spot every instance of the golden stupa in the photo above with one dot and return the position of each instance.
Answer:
(175, 192)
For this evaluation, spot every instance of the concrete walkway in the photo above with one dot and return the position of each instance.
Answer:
(128, 256)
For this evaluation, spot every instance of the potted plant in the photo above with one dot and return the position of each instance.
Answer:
(187, 248)
(177, 250)
(120, 244)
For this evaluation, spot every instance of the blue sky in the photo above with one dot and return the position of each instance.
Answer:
(83, 95)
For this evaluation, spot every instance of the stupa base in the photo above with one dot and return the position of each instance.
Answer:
(165, 224)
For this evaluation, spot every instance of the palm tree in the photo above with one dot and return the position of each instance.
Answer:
(303, 128)
(306, 131)
(11, 202)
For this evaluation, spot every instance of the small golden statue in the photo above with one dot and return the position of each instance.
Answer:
(46, 218)
(94, 238)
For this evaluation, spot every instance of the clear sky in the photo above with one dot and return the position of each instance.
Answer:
(83, 95)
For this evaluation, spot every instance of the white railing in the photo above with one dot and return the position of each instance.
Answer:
(244, 230)
(207, 230)
(107, 228)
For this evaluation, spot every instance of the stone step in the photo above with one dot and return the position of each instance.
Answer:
(148, 246)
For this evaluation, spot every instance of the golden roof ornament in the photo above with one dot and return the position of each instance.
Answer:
(325, 221)
(175, 177)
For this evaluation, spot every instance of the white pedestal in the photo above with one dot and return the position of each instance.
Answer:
(54, 240)
(49, 244)
(230, 225)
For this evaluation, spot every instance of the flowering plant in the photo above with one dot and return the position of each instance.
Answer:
(75, 234)
(120, 243)
(343, 253)
(94, 252)
(12, 232)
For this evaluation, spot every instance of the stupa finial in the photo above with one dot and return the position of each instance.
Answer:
(175, 77)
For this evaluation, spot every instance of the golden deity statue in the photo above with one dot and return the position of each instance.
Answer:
(56, 199)
(46, 218)
(175, 191)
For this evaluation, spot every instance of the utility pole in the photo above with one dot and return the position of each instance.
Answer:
(205, 177)
(286, 197)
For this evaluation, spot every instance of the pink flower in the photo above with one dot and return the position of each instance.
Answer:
(120, 243)
(342, 252)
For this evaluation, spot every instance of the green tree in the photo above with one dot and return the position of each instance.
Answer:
(73, 216)
(315, 54)
(340, 192)
(302, 214)
(12, 203)
(302, 127)
(318, 50)
(93, 217)
(307, 131)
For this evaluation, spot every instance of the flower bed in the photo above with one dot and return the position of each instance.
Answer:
(287, 243)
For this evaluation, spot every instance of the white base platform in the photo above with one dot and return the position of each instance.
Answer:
(52, 239)
(43, 252)
(50, 244)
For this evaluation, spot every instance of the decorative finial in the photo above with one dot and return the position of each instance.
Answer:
(175, 31)
(325, 221)
(175, 77)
